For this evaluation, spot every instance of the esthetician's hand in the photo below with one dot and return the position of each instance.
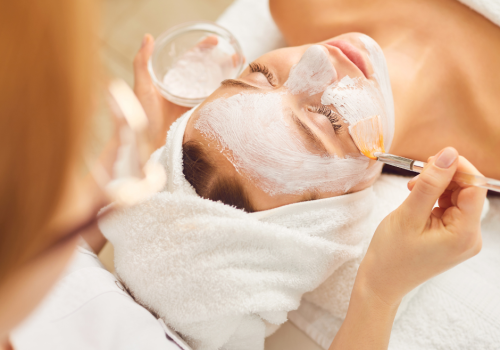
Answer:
(417, 242)
(411, 245)
(160, 112)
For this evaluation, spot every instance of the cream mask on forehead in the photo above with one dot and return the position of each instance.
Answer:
(255, 133)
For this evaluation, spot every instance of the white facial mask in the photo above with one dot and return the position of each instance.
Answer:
(312, 74)
(256, 138)
(381, 75)
(255, 135)
(358, 98)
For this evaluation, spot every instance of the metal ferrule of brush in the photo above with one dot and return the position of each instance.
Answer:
(418, 166)
(400, 162)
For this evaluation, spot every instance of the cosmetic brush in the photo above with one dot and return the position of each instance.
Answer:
(368, 137)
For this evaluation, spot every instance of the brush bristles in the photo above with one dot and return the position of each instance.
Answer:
(368, 136)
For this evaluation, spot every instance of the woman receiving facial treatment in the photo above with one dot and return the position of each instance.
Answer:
(267, 199)
(437, 101)
(285, 133)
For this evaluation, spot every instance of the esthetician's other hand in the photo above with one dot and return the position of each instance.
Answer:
(416, 242)
(160, 112)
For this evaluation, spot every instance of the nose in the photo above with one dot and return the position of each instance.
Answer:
(313, 73)
(325, 50)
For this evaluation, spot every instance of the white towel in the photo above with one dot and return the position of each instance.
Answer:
(251, 23)
(216, 274)
(459, 309)
(488, 8)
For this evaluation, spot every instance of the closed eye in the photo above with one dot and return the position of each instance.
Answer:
(329, 114)
(310, 135)
(260, 68)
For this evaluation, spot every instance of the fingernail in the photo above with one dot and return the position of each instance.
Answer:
(446, 158)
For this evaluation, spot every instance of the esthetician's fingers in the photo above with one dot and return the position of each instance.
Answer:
(208, 42)
(412, 182)
(451, 187)
(469, 200)
(438, 212)
(445, 200)
(142, 80)
(211, 41)
(431, 184)
(153, 103)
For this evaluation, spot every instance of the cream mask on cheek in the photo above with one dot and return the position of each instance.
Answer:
(356, 99)
(312, 74)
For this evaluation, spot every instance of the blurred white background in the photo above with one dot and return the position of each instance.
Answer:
(124, 23)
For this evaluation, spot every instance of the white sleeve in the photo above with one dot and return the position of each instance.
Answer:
(89, 309)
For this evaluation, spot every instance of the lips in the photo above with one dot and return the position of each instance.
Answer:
(352, 53)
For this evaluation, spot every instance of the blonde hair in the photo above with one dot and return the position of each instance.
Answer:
(45, 102)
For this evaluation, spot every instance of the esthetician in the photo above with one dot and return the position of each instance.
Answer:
(47, 94)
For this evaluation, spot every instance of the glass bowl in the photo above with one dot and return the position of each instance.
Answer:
(190, 60)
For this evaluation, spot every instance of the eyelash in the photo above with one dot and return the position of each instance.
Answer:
(329, 114)
(259, 68)
(306, 130)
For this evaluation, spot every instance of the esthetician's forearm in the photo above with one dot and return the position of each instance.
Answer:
(368, 323)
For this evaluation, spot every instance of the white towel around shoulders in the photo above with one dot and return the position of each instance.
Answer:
(223, 278)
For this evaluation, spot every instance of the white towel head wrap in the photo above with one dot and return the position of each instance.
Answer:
(218, 275)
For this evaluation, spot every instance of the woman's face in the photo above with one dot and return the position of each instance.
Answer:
(282, 128)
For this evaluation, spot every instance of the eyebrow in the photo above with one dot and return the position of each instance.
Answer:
(309, 133)
(237, 83)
